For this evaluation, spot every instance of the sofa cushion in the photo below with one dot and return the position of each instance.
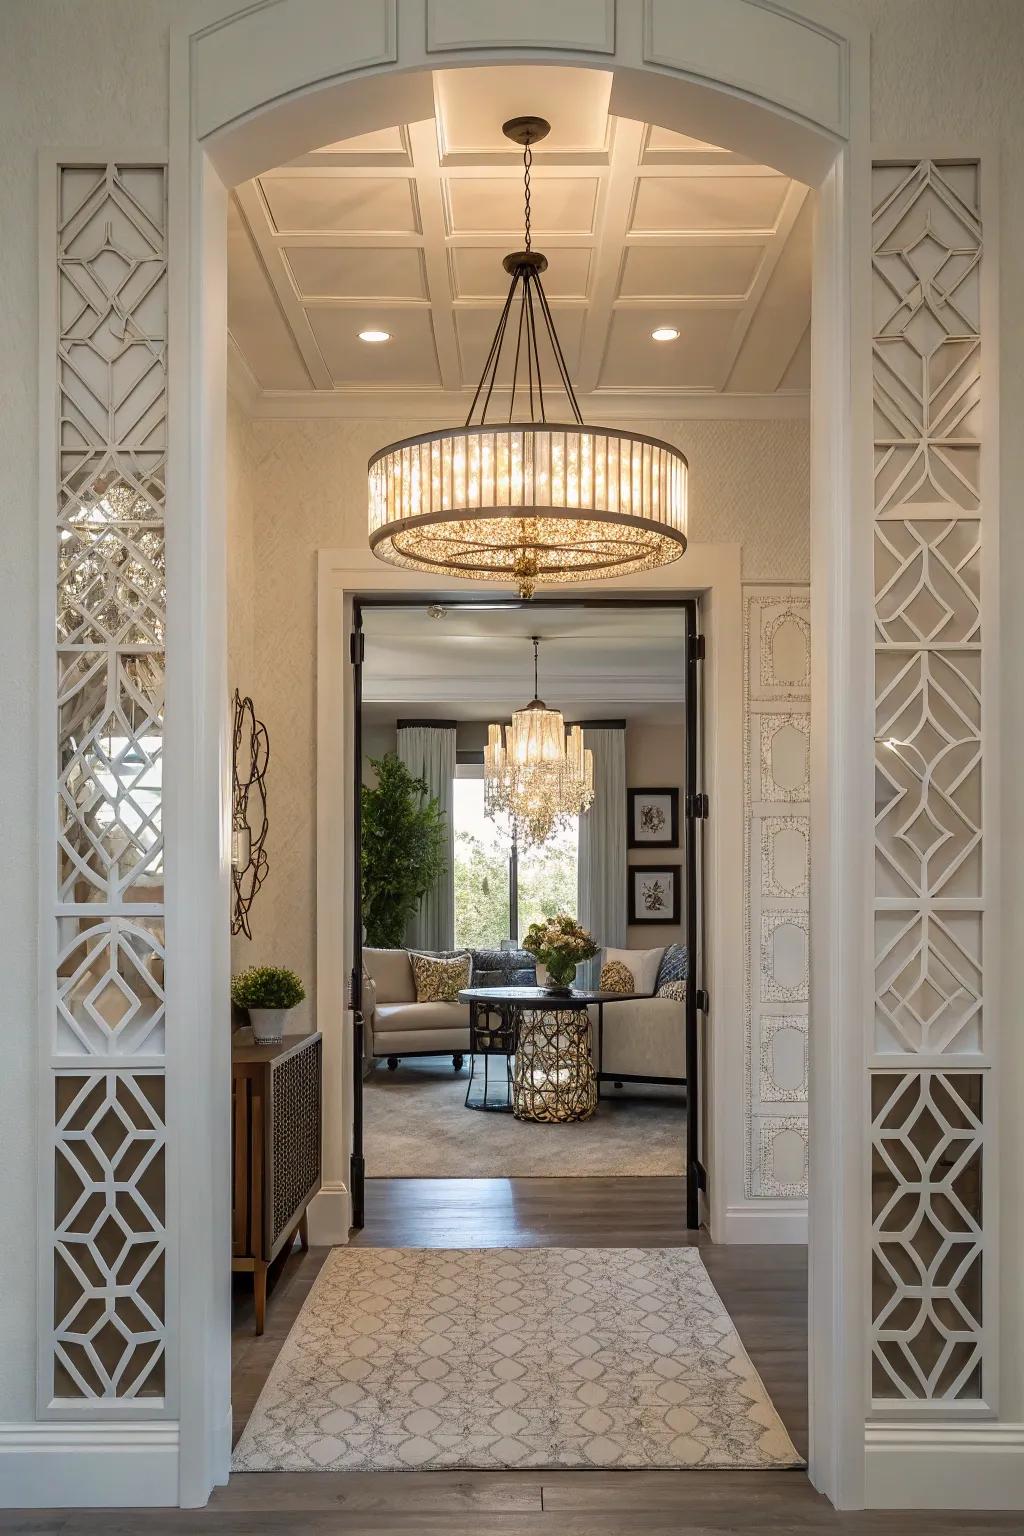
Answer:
(632, 970)
(391, 970)
(675, 965)
(440, 981)
(645, 1037)
(676, 990)
(420, 1016)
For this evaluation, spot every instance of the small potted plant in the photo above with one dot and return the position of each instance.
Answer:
(560, 944)
(269, 992)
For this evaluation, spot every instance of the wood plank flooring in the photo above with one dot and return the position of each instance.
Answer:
(763, 1288)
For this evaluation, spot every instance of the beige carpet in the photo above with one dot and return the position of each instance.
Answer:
(421, 1358)
(416, 1126)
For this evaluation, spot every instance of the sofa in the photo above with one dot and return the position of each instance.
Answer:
(397, 1025)
(645, 1037)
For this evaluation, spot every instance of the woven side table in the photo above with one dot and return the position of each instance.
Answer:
(554, 1078)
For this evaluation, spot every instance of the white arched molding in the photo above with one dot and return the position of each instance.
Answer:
(933, 1037)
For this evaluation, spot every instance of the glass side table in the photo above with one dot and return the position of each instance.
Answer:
(492, 1033)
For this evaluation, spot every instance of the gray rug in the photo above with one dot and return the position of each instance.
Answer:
(426, 1358)
(416, 1126)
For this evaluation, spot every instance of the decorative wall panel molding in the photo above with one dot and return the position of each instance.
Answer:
(776, 863)
(106, 1221)
(930, 921)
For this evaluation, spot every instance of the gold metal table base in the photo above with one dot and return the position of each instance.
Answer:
(554, 1077)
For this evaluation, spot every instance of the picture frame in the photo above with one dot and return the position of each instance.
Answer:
(654, 893)
(652, 818)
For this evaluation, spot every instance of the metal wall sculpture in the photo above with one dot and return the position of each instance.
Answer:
(249, 823)
(105, 1216)
(930, 1051)
(776, 826)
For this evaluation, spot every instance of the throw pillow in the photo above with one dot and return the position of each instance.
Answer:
(440, 981)
(675, 965)
(676, 990)
(642, 965)
(616, 977)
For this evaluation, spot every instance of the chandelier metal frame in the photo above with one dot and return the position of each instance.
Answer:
(528, 500)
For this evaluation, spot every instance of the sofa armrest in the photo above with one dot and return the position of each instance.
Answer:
(369, 1010)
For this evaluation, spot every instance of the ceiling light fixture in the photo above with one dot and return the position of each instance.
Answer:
(374, 336)
(534, 773)
(665, 333)
(528, 500)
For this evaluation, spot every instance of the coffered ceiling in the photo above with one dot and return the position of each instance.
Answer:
(404, 231)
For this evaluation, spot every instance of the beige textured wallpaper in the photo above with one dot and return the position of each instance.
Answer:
(299, 486)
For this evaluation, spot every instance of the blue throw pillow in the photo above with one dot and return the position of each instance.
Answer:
(675, 965)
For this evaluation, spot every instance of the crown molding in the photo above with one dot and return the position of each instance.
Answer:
(442, 405)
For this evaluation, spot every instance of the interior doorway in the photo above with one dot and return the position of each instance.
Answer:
(633, 872)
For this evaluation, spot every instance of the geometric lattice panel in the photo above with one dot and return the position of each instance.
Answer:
(104, 860)
(109, 1235)
(776, 826)
(927, 1238)
(295, 1097)
(930, 874)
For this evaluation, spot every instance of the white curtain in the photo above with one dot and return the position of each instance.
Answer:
(428, 751)
(602, 848)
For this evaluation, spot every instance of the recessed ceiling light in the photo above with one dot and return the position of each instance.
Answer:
(374, 335)
(665, 333)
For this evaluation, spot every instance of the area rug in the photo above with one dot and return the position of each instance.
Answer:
(416, 1126)
(420, 1358)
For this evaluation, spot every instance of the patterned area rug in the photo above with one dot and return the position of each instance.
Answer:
(420, 1358)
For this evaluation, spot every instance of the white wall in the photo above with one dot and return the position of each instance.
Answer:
(95, 72)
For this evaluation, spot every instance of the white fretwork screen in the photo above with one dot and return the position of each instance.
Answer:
(930, 1089)
(776, 859)
(104, 863)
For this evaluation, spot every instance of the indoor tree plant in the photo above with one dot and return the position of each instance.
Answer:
(560, 944)
(403, 840)
(269, 992)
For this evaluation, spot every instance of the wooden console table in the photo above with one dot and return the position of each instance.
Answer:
(276, 1146)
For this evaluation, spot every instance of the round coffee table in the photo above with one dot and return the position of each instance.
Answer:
(554, 1078)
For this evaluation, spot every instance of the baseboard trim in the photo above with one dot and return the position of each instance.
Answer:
(105, 1466)
(764, 1222)
(944, 1466)
(330, 1216)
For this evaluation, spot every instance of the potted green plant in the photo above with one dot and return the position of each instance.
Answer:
(560, 945)
(269, 993)
(403, 847)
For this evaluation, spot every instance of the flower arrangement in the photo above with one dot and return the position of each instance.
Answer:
(561, 945)
(266, 986)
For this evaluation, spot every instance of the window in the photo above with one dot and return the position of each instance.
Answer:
(493, 879)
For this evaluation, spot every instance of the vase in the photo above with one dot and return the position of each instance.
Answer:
(268, 1025)
(558, 978)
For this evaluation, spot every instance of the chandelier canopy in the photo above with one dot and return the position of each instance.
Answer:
(531, 500)
(534, 773)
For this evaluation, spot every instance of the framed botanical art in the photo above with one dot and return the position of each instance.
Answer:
(654, 895)
(653, 818)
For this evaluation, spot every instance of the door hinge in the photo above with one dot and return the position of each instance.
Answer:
(698, 807)
(357, 647)
(697, 648)
(702, 1000)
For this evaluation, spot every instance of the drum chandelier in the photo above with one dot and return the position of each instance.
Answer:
(527, 501)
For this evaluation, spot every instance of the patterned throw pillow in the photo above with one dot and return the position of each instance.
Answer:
(616, 977)
(440, 981)
(675, 966)
(676, 990)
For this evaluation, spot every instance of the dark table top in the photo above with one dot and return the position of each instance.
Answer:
(538, 997)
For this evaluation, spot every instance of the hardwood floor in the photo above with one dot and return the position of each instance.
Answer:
(763, 1288)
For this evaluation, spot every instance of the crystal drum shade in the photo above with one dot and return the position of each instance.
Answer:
(529, 502)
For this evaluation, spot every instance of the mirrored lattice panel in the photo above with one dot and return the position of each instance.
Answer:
(926, 1197)
(109, 1216)
(110, 986)
(928, 981)
(110, 745)
(927, 581)
(110, 561)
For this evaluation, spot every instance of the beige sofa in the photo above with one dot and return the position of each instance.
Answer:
(643, 1037)
(396, 1024)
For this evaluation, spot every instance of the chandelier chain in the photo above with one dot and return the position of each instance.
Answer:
(527, 163)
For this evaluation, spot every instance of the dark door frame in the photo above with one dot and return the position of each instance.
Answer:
(695, 812)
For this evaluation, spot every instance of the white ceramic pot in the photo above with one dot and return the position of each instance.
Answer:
(268, 1024)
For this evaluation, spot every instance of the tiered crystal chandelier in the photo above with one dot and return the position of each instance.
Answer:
(534, 773)
(528, 501)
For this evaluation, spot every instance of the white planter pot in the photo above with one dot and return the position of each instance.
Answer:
(268, 1024)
